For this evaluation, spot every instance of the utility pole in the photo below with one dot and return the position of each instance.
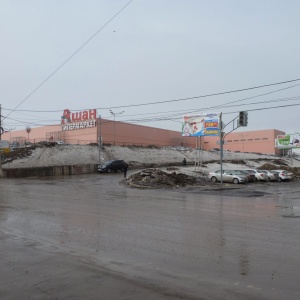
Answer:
(114, 114)
(221, 147)
(99, 138)
(242, 121)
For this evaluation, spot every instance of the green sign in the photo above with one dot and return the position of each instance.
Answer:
(288, 141)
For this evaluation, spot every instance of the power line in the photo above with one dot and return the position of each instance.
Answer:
(133, 121)
(180, 99)
(176, 118)
(28, 122)
(225, 105)
(265, 108)
(84, 44)
(176, 115)
(248, 98)
(202, 96)
(179, 113)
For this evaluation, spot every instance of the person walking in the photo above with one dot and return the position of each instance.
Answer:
(125, 170)
(184, 162)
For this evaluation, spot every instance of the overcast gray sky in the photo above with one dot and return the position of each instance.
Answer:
(152, 51)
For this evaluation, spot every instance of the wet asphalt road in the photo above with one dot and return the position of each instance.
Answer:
(89, 237)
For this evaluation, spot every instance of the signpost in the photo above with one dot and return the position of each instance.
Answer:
(203, 124)
(200, 125)
(288, 142)
(210, 124)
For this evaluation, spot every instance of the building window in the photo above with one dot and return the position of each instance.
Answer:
(257, 139)
(243, 140)
(250, 139)
(229, 141)
(236, 140)
(264, 138)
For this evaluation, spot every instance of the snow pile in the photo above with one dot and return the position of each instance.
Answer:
(57, 156)
(140, 157)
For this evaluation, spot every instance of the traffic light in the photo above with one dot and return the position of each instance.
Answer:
(243, 118)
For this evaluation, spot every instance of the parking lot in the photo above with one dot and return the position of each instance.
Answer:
(91, 237)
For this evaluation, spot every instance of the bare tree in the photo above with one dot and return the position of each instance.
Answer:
(28, 129)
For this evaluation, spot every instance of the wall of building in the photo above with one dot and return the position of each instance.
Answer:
(36, 134)
(81, 136)
(118, 133)
(121, 133)
(125, 134)
(260, 141)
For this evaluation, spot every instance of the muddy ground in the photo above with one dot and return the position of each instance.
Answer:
(153, 163)
(156, 178)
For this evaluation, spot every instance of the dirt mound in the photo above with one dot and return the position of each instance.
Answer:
(279, 162)
(270, 166)
(237, 162)
(17, 153)
(156, 178)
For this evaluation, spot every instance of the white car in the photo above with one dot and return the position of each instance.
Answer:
(283, 175)
(260, 176)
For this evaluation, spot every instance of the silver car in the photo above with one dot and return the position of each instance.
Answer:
(270, 176)
(228, 176)
(283, 175)
(249, 176)
(260, 176)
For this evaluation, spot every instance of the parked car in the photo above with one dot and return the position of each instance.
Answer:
(283, 175)
(228, 176)
(112, 166)
(260, 176)
(271, 176)
(215, 176)
(250, 177)
(14, 145)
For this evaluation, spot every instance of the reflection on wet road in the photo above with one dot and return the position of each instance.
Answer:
(89, 237)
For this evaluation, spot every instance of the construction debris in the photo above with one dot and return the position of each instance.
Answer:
(156, 178)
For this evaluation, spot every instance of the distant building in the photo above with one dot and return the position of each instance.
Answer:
(258, 141)
(85, 128)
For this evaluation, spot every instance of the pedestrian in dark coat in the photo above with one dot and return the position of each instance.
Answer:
(125, 170)
(184, 162)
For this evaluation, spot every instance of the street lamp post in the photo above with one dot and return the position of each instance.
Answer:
(243, 135)
(99, 136)
(115, 114)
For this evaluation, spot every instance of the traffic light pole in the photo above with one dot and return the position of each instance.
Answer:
(243, 118)
(242, 121)
(221, 147)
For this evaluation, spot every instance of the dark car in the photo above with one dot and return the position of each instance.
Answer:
(112, 166)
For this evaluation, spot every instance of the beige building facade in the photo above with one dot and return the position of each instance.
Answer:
(86, 128)
(258, 141)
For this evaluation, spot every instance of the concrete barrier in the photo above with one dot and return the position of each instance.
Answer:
(48, 171)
